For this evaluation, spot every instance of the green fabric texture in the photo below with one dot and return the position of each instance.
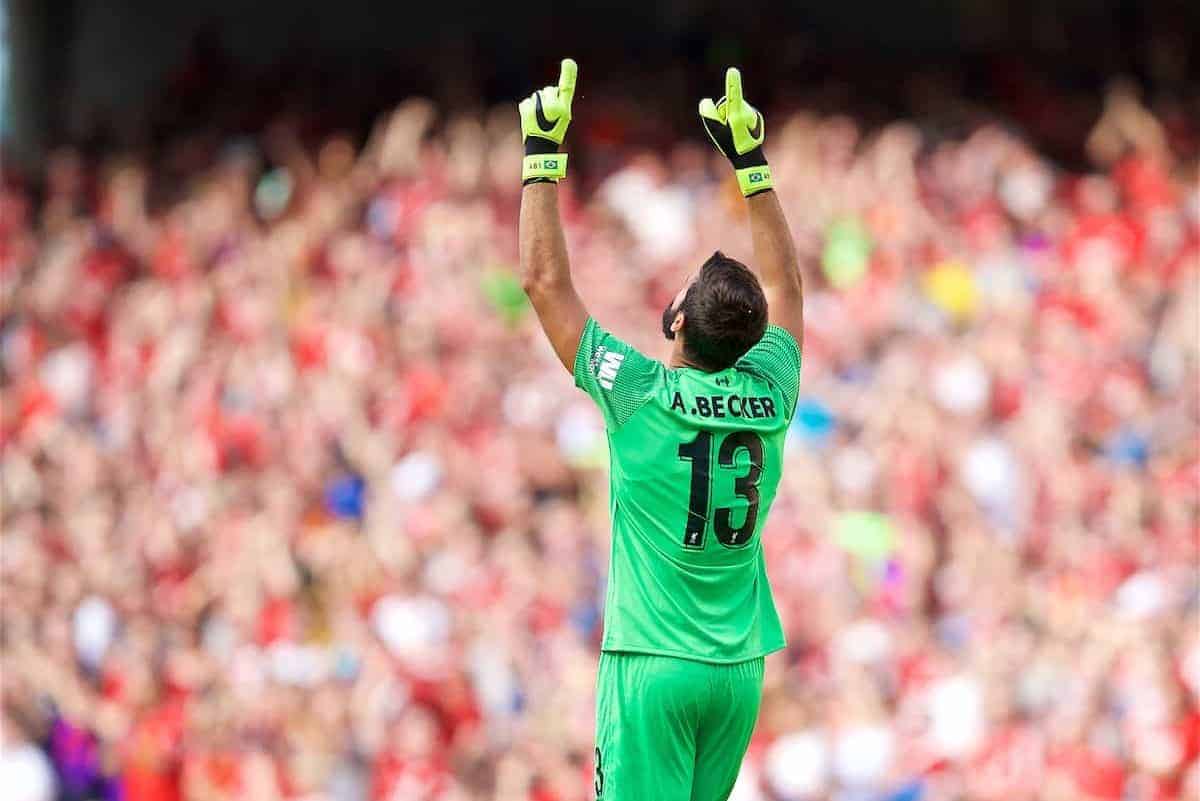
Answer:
(600, 360)
(695, 460)
(672, 729)
(776, 358)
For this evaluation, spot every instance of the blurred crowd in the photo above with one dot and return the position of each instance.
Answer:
(298, 503)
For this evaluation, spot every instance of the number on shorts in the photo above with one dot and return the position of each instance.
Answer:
(599, 775)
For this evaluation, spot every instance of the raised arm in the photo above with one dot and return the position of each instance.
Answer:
(546, 271)
(738, 131)
(775, 261)
(545, 268)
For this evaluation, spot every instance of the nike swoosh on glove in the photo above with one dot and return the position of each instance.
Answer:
(545, 117)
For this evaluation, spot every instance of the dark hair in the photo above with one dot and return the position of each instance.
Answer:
(724, 313)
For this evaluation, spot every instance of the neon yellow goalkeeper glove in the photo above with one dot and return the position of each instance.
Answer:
(738, 130)
(545, 115)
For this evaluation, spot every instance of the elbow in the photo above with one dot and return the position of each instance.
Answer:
(789, 281)
(796, 281)
(530, 282)
(536, 283)
(529, 279)
(792, 275)
(534, 274)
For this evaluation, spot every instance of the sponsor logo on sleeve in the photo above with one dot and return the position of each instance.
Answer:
(606, 372)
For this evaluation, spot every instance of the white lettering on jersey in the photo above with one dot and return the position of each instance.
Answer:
(609, 366)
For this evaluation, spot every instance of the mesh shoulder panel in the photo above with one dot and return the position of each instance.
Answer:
(776, 358)
(617, 376)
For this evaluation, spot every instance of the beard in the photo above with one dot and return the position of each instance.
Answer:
(668, 317)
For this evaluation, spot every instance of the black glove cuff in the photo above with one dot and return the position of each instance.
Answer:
(537, 146)
(751, 158)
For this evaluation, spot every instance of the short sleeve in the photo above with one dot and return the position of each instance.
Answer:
(617, 376)
(776, 358)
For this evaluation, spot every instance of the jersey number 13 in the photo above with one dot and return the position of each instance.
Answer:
(699, 453)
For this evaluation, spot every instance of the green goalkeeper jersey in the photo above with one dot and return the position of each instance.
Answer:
(695, 462)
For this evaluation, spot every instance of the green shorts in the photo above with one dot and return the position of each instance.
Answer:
(671, 729)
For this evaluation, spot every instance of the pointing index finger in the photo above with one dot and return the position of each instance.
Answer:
(733, 87)
(566, 79)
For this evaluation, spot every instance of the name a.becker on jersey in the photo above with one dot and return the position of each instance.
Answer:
(725, 406)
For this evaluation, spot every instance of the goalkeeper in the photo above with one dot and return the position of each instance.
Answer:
(696, 449)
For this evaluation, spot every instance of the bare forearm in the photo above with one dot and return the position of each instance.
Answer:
(546, 271)
(775, 260)
(774, 251)
(544, 260)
